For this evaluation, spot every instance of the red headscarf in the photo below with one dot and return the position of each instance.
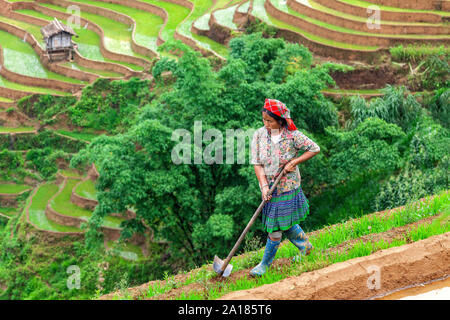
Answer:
(280, 109)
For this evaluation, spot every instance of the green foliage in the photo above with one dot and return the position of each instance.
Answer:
(191, 205)
(109, 105)
(392, 108)
(439, 105)
(256, 26)
(432, 73)
(412, 184)
(336, 67)
(415, 54)
(47, 138)
(215, 232)
(430, 144)
(291, 59)
(371, 147)
(164, 64)
(45, 107)
(44, 160)
(10, 160)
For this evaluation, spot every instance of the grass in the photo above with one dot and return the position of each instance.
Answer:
(354, 91)
(177, 14)
(79, 135)
(16, 129)
(70, 173)
(4, 99)
(147, 24)
(103, 73)
(20, 57)
(37, 210)
(260, 12)
(324, 239)
(13, 188)
(17, 86)
(127, 251)
(9, 211)
(62, 204)
(86, 189)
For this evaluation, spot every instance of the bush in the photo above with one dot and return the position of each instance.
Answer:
(412, 184)
(392, 108)
(10, 160)
(429, 144)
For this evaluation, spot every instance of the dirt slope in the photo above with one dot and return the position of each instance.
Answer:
(364, 277)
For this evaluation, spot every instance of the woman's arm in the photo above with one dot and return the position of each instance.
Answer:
(259, 171)
(260, 174)
(294, 162)
(302, 142)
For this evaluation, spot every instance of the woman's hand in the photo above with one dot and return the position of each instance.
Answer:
(265, 193)
(289, 167)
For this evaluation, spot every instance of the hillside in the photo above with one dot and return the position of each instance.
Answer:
(119, 39)
(114, 117)
(333, 266)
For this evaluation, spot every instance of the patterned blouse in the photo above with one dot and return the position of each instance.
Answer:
(272, 156)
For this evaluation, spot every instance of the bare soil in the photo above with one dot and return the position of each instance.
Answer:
(371, 77)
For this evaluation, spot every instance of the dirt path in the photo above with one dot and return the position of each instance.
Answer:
(388, 236)
(364, 277)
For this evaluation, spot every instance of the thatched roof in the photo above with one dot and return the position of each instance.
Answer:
(56, 27)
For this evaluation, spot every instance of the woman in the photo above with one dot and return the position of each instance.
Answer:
(274, 145)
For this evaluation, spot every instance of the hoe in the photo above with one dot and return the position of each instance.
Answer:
(223, 268)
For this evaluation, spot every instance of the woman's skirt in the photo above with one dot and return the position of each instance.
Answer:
(285, 210)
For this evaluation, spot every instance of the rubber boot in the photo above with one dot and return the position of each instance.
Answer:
(298, 238)
(269, 254)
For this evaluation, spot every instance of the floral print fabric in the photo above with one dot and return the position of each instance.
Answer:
(274, 155)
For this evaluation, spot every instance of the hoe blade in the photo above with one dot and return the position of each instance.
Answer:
(217, 266)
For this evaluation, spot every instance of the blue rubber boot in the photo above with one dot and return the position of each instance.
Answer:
(299, 239)
(269, 254)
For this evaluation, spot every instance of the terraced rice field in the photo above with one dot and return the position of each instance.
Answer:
(63, 205)
(37, 210)
(16, 129)
(85, 136)
(86, 189)
(20, 57)
(260, 12)
(325, 27)
(201, 7)
(17, 86)
(176, 14)
(365, 4)
(127, 251)
(283, 6)
(117, 35)
(88, 45)
(9, 211)
(147, 24)
(224, 17)
(13, 188)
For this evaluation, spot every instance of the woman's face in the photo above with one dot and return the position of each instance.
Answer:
(270, 123)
